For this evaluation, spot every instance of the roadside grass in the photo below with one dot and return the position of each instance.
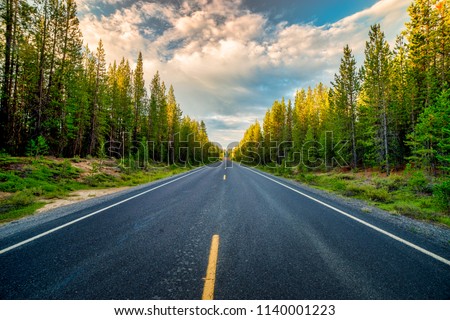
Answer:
(408, 193)
(26, 184)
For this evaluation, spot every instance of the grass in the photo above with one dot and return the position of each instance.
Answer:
(27, 183)
(408, 193)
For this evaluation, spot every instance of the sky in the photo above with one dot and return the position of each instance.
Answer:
(229, 60)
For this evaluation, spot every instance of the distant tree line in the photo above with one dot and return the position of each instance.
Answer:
(61, 97)
(392, 110)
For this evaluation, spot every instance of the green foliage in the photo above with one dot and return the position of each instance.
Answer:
(418, 182)
(443, 157)
(390, 183)
(30, 180)
(378, 195)
(432, 135)
(12, 212)
(100, 180)
(442, 194)
(307, 178)
(407, 194)
(37, 147)
(65, 95)
(346, 88)
(393, 110)
(407, 209)
(21, 198)
(353, 190)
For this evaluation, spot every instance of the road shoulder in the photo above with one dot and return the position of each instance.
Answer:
(434, 233)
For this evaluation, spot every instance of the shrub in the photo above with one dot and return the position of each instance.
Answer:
(353, 190)
(307, 178)
(378, 195)
(37, 147)
(442, 194)
(418, 182)
(100, 179)
(21, 198)
(407, 209)
(337, 185)
(394, 182)
(347, 177)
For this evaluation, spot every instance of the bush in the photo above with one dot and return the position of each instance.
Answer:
(419, 183)
(391, 183)
(37, 147)
(337, 185)
(21, 198)
(100, 179)
(347, 177)
(307, 178)
(353, 190)
(394, 182)
(378, 195)
(442, 194)
(9, 182)
(407, 209)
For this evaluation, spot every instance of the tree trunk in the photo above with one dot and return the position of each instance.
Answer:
(385, 138)
(52, 57)
(41, 74)
(7, 74)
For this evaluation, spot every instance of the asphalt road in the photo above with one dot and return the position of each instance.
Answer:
(275, 243)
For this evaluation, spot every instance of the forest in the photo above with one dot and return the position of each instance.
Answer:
(391, 111)
(391, 114)
(60, 98)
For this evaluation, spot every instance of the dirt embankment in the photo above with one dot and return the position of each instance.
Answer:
(78, 196)
(87, 166)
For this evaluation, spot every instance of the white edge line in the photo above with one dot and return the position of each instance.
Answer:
(412, 245)
(91, 214)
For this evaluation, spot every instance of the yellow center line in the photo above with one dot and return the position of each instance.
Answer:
(224, 177)
(210, 279)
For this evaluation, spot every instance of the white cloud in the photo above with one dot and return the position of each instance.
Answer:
(225, 61)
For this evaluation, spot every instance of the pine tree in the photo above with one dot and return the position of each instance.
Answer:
(376, 87)
(403, 92)
(267, 143)
(163, 126)
(299, 120)
(139, 93)
(174, 118)
(98, 99)
(346, 88)
(431, 135)
(287, 130)
(155, 88)
(424, 33)
(10, 15)
(277, 123)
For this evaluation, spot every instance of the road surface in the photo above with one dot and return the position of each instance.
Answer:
(277, 241)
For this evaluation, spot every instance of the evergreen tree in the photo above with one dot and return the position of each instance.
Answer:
(155, 89)
(277, 123)
(139, 93)
(431, 135)
(173, 120)
(346, 88)
(98, 99)
(299, 120)
(376, 87)
(427, 35)
(267, 143)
